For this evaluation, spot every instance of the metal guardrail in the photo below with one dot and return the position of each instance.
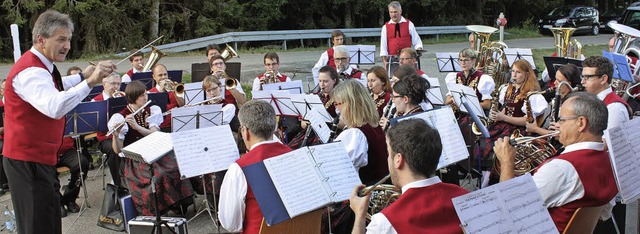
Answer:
(289, 35)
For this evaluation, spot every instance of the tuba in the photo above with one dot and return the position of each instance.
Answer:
(490, 54)
(154, 57)
(565, 47)
(228, 53)
(624, 45)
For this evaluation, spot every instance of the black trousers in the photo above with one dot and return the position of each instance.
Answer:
(113, 160)
(70, 159)
(3, 176)
(35, 196)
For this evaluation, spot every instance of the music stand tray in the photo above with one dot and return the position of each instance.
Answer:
(514, 54)
(448, 62)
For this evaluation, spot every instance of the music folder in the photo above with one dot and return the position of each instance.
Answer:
(302, 180)
(621, 68)
(149, 148)
(623, 142)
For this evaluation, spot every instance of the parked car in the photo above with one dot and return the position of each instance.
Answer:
(584, 18)
(608, 16)
(631, 17)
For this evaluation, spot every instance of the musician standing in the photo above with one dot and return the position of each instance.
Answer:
(271, 65)
(326, 58)
(239, 211)
(161, 77)
(425, 205)
(409, 57)
(213, 50)
(342, 60)
(579, 177)
(397, 34)
(137, 64)
(597, 72)
(380, 87)
(36, 100)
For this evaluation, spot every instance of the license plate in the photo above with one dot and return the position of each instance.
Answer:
(546, 26)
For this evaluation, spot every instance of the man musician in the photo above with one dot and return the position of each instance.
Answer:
(397, 34)
(342, 61)
(425, 204)
(213, 50)
(235, 96)
(161, 77)
(409, 57)
(137, 64)
(271, 65)
(597, 72)
(326, 58)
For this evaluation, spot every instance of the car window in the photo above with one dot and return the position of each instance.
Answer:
(581, 12)
(633, 19)
(560, 11)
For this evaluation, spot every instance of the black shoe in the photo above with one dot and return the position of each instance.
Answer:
(63, 212)
(3, 191)
(73, 207)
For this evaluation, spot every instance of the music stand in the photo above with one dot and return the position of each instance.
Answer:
(448, 62)
(199, 71)
(434, 93)
(392, 65)
(95, 91)
(87, 117)
(514, 54)
(305, 102)
(553, 63)
(459, 92)
(193, 93)
(195, 159)
(147, 77)
(280, 100)
(294, 87)
(621, 68)
(159, 99)
(195, 117)
(362, 54)
(234, 69)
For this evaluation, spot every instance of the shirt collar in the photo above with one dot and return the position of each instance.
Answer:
(47, 63)
(348, 71)
(263, 143)
(421, 183)
(105, 95)
(402, 20)
(604, 93)
(584, 145)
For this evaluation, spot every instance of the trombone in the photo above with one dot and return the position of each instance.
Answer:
(125, 120)
(213, 100)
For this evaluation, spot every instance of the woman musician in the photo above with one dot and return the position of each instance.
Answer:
(391, 110)
(137, 175)
(380, 87)
(212, 87)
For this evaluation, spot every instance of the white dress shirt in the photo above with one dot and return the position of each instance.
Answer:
(233, 193)
(416, 42)
(618, 113)
(126, 78)
(485, 84)
(154, 120)
(34, 86)
(256, 82)
(355, 142)
(538, 104)
(380, 224)
(323, 61)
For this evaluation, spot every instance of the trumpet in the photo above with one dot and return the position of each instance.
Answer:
(125, 121)
(229, 83)
(269, 78)
(213, 100)
(117, 94)
(171, 86)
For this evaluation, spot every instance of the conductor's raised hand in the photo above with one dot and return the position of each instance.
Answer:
(101, 70)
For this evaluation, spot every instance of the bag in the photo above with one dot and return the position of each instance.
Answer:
(111, 216)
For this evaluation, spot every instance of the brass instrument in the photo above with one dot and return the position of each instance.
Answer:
(382, 195)
(229, 82)
(269, 78)
(228, 53)
(490, 54)
(624, 45)
(530, 152)
(154, 57)
(627, 91)
(125, 120)
(481, 36)
(134, 53)
(170, 86)
(565, 47)
(117, 94)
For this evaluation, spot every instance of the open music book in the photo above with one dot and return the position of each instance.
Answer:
(623, 142)
(302, 180)
(149, 148)
(512, 206)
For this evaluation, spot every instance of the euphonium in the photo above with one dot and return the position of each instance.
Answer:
(481, 36)
(624, 45)
(154, 57)
(565, 47)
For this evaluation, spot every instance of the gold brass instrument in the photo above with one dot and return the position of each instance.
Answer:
(229, 82)
(565, 47)
(382, 195)
(228, 53)
(154, 57)
(528, 107)
(530, 152)
(117, 94)
(624, 45)
(134, 53)
(125, 120)
(170, 86)
(269, 78)
(481, 35)
(490, 53)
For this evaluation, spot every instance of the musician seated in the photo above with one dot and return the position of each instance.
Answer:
(73, 70)
(579, 177)
(111, 86)
(212, 87)
(239, 211)
(235, 96)
(137, 65)
(380, 87)
(597, 74)
(271, 65)
(213, 50)
(326, 58)
(161, 77)
(474, 79)
(425, 205)
(342, 61)
(172, 191)
(409, 57)
(400, 73)
(406, 96)
(68, 157)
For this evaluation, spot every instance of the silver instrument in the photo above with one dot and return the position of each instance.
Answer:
(125, 121)
(215, 99)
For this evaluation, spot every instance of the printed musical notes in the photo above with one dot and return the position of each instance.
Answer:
(149, 148)
(623, 142)
(513, 206)
(205, 150)
(335, 165)
(319, 126)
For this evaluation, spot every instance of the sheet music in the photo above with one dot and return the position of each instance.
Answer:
(194, 117)
(294, 87)
(459, 91)
(336, 166)
(297, 182)
(318, 124)
(623, 145)
(280, 100)
(150, 148)
(433, 93)
(205, 150)
(366, 54)
(514, 54)
(513, 206)
(193, 93)
(453, 147)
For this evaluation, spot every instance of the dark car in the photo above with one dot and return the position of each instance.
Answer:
(584, 18)
(608, 16)
(631, 17)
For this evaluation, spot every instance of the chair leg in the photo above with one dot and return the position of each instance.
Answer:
(101, 168)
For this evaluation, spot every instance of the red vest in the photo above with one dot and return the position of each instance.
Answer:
(1, 135)
(472, 81)
(173, 102)
(30, 135)
(67, 144)
(331, 63)
(355, 74)
(420, 72)
(596, 175)
(252, 214)
(281, 77)
(130, 73)
(396, 43)
(426, 210)
(376, 167)
(101, 136)
(230, 99)
(613, 97)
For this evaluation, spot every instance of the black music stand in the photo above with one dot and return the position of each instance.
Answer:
(362, 54)
(147, 78)
(553, 63)
(199, 71)
(196, 117)
(87, 117)
(448, 62)
(280, 100)
(1, 116)
(159, 99)
(392, 64)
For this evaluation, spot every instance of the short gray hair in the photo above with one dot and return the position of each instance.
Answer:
(50, 21)
(341, 49)
(469, 53)
(258, 117)
(396, 4)
(588, 105)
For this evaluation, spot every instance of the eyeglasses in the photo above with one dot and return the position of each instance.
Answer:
(565, 118)
(465, 60)
(587, 77)
(340, 59)
(396, 96)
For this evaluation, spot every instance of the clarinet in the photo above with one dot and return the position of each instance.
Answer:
(334, 127)
(391, 113)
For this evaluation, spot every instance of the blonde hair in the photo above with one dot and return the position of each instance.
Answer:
(209, 80)
(358, 107)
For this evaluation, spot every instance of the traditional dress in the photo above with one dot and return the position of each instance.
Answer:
(381, 101)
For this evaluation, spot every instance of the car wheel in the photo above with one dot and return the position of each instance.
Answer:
(595, 30)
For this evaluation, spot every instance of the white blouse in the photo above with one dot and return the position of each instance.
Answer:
(538, 104)
(154, 120)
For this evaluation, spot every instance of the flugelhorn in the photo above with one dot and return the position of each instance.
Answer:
(134, 53)
(229, 82)
(229, 53)
(125, 120)
(117, 94)
(170, 86)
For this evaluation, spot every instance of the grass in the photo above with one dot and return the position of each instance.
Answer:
(587, 50)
